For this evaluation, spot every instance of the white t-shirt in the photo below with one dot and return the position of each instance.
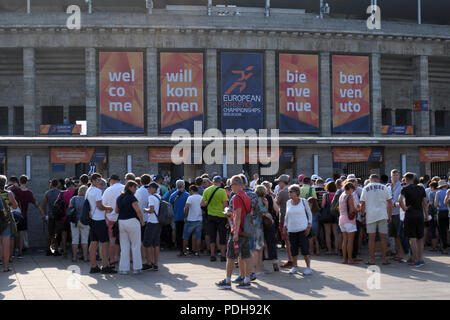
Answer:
(195, 211)
(142, 197)
(152, 201)
(94, 194)
(276, 190)
(252, 184)
(297, 216)
(109, 199)
(375, 196)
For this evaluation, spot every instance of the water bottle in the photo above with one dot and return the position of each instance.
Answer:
(236, 249)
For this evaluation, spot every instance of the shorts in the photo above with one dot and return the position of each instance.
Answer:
(143, 232)
(348, 227)
(99, 231)
(382, 226)
(299, 240)
(6, 232)
(192, 227)
(394, 226)
(152, 235)
(110, 225)
(22, 225)
(80, 230)
(414, 227)
(244, 248)
(217, 224)
(56, 227)
(284, 236)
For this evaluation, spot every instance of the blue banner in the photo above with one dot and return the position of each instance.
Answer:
(241, 90)
(376, 154)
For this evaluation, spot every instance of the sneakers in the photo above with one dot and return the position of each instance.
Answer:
(287, 265)
(224, 285)
(139, 271)
(293, 270)
(155, 268)
(95, 270)
(123, 273)
(420, 264)
(307, 272)
(223, 259)
(108, 270)
(212, 259)
(253, 276)
(147, 266)
(244, 285)
(196, 254)
(238, 279)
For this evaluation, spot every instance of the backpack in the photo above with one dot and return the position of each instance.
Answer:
(325, 212)
(249, 228)
(334, 208)
(71, 213)
(85, 218)
(165, 215)
(58, 207)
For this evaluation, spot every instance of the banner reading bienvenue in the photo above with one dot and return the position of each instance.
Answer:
(351, 94)
(121, 92)
(241, 90)
(299, 92)
(181, 78)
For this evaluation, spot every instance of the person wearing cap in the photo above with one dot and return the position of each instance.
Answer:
(300, 179)
(442, 206)
(215, 200)
(178, 201)
(307, 190)
(281, 200)
(109, 199)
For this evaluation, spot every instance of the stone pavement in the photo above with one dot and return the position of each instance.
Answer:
(37, 276)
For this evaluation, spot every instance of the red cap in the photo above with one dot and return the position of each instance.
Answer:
(300, 177)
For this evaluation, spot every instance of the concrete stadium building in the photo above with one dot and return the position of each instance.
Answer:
(50, 79)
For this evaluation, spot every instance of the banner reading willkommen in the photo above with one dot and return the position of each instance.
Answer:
(181, 78)
(242, 90)
(351, 94)
(299, 92)
(121, 92)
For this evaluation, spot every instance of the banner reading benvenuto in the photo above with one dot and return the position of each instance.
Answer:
(299, 92)
(351, 94)
(241, 90)
(121, 92)
(181, 79)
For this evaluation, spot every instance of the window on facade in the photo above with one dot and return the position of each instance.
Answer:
(77, 113)
(386, 117)
(403, 117)
(52, 115)
(4, 121)
(18, 124)
(441, 122)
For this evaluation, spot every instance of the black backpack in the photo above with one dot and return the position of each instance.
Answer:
(85, 218)
(58, 207)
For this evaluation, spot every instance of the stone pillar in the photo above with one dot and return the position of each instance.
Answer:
(421, 92)
(325, 95)
(375, 85)
(66, 112)
(393, 118)
(270, 91)
(91, 92)
(212, 106)
(152, 92)
(433, 122)
(10, 120)
(29, 91)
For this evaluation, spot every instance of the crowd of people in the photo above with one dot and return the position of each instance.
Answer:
(238, 221)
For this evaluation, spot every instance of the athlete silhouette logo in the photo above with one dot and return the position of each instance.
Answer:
(242, 81)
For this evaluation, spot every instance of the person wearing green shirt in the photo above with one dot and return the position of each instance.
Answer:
(216, 199)
(159, 180)
(307, 189)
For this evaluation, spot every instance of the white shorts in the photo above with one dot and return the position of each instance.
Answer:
(80, 230)
(348, 227)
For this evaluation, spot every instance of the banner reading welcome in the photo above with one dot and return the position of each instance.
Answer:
(351, 94)
(434, 154)
(242, 90)
(299, 92)
(121, 92)
(182, 98)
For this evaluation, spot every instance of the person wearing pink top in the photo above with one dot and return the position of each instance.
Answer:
(347, 225)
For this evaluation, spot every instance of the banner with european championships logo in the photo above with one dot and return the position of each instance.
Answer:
(351, 94)
(241, 90)
(299, 92)
(181, 79)
(121, 92)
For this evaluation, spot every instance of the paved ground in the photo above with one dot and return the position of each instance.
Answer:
(37, 276)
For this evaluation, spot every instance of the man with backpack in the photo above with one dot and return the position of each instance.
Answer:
(7, 202)
(178, 200)
(239, 242)
(50, 197)
(152, 234)
(215, 200)
(307, 190)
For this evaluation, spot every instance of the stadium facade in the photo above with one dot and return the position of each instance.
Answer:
(395, 81)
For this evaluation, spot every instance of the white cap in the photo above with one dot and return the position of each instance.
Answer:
(351, 177)
(315, 177)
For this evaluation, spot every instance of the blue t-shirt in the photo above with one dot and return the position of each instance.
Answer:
(124, 205)
(178, 205)
(441, 197)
